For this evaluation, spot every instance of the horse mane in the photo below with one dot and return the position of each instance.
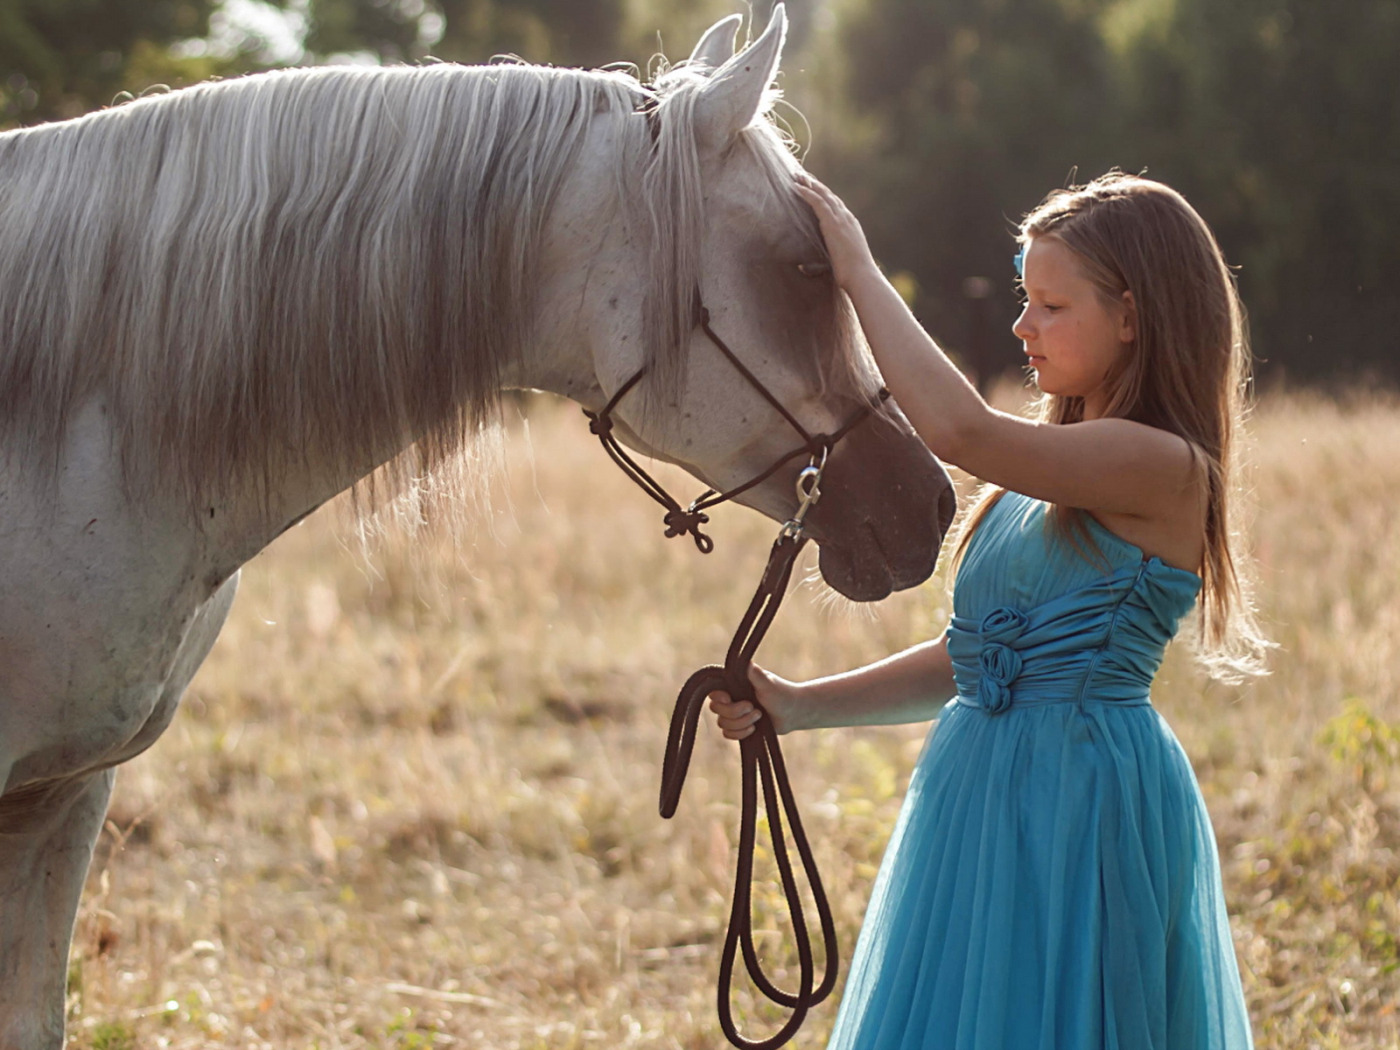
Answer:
(331, 258)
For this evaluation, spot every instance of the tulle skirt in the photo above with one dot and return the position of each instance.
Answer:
(1052, 883)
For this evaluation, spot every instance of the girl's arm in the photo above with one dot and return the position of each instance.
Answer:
(1109, 465)
(907, 687)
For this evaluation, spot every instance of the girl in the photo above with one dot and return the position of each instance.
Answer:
(1052, 881)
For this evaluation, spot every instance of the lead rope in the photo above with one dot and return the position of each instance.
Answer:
(760, 756)
(762, 762)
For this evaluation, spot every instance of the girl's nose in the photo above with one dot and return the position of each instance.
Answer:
(1021, 328)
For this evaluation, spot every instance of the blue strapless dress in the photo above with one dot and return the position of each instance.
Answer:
(1052, 882)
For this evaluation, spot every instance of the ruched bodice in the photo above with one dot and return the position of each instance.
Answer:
(1055, 624)
(1052, 882)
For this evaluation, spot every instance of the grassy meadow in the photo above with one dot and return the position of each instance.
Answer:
(410, 800)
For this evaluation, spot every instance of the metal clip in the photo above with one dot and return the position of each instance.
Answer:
(809, 480)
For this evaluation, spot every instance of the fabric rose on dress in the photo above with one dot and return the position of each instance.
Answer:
(1004, 625)
(999, 663)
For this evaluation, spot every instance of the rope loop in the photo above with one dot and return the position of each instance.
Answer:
(763, 773)
(761, 759)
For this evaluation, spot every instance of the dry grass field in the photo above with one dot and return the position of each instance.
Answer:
(410, 800)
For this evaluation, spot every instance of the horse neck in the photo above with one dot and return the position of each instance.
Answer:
(578, 306)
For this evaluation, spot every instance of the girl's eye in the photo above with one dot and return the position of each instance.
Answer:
(814, 269)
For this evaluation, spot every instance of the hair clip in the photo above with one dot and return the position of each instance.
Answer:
(1020, 263)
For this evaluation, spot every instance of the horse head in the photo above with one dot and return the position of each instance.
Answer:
(725, 228)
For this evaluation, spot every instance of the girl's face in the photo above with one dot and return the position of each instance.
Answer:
(1075, 341)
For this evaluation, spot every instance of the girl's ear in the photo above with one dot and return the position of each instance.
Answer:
(1127, 327)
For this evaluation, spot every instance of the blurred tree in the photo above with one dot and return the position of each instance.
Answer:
(964, 112)
(392, 32)
(587, 33)
(1281, 119)
(942, 122)
(60, 58)
(565, 32)
(1278, 118)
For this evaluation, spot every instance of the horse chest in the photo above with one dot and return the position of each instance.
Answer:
(95, 606)
(82, 672)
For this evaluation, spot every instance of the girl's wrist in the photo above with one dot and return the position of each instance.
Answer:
(804, 708)
(863, 280)
(787, 706)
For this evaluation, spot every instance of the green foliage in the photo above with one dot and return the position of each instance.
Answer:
(61, 58)
(1280, 118)
(565, 32)
(586, 33)
(113, 1035)
(1277, 118)
(386, 30)
(405, 1033)
(1364, 743)
(975, 109)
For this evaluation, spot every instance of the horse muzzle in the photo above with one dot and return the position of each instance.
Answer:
(886, 505)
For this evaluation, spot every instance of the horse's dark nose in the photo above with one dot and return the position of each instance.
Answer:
(947, 509)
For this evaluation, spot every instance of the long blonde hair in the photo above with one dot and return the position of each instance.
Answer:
(1187, 373)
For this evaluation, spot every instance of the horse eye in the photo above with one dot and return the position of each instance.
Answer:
(814, 269)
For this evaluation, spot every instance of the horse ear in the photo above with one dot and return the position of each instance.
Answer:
(734, 95)
(716, 47)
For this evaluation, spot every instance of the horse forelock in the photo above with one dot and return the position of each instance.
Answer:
(674, 199)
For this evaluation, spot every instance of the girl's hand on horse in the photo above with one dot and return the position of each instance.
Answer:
(737, 718)
(845, 240)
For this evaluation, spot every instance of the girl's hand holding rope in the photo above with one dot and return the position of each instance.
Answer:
(777, 696)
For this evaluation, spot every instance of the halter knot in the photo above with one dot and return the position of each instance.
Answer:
(679, 522)
(599, 423)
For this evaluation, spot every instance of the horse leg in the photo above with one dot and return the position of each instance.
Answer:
(47, 835)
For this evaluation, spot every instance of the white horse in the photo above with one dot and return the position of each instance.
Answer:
(221, 306)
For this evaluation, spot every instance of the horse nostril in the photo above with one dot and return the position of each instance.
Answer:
(947, 507)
